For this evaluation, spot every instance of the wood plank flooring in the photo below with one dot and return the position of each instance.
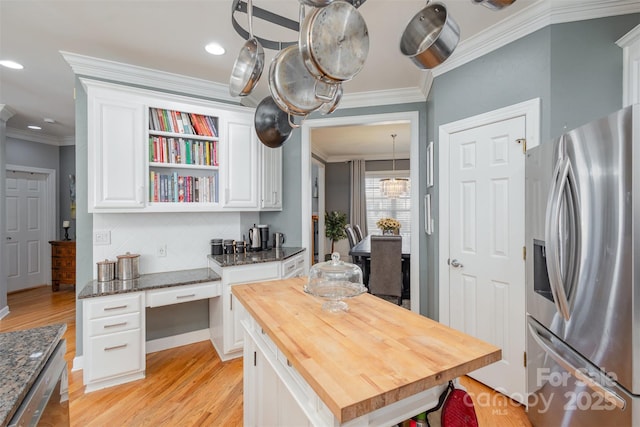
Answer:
(184, 386)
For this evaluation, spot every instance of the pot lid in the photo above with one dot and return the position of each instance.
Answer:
(105, 262)
(128, 255)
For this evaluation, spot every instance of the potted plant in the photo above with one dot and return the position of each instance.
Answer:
(334, 224)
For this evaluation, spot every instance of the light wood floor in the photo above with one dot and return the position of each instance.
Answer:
(184, 386)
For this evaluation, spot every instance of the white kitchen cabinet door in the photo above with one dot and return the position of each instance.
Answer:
(241, 162)
(271, 194)
(233, 331)
(116, 131)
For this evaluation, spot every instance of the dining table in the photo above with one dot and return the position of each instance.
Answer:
(363, 249)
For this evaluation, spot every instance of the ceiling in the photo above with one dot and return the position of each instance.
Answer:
(170, 35)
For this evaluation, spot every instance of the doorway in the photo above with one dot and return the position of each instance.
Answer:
(30, 224)
(482, 280)
(412, 118)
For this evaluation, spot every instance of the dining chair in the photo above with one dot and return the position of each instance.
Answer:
(351, 235)
(358, 231)
(385, 275)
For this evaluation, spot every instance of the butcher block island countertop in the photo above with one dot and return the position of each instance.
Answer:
(375, 354)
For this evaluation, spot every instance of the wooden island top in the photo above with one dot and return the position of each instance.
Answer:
(358, 361)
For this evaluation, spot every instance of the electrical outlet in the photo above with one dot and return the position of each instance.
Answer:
(102, 237)
(162, 250)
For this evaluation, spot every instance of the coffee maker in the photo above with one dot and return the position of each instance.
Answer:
(264, 236)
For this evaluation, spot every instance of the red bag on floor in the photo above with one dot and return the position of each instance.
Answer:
(458, 410)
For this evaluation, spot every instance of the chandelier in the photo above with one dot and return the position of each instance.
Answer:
(394, 187)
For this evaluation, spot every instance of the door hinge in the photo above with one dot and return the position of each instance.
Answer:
(524, 253)
(522, 141)
(525, 359)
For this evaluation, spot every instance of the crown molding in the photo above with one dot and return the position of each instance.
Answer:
(6, 112)
(146, 77)
(630, 37)
(535, 17)
(41, 138)
(382, 97)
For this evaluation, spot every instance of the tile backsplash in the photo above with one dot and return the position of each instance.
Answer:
(183, 236)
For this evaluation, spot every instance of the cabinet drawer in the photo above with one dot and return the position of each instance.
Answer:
(115, 354)
(111, 306)
(112, 324)
(63, 251)
(58, 262)
(288, 267)
(254, 273)
(66, 276)
(178, 294)
(294, 273)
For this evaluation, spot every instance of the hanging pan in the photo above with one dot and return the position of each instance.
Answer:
(334, 42)
(430, 37)
(494, 4)
(271, 123)
(248, 66)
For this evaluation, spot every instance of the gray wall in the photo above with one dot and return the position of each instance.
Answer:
(574, 68)
(67, 167)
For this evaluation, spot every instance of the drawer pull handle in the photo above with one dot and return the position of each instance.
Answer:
(185, 296)
(115, 347)
(113, 325)
(117, 307)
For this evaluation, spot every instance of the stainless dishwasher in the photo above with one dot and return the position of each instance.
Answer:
(47, 403)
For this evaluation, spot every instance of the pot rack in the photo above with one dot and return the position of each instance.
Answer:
(241, 7)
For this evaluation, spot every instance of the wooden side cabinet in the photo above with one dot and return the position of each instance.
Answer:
(63, 263)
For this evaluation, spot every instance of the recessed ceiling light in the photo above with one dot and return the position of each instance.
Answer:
(214, 49)
(34, 127)
(11, 64)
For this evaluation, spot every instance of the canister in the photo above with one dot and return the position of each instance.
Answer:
(128, 265)
(106, 270)
(216, 246)
(229, 246)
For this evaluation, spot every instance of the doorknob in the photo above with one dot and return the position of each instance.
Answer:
(456, 264)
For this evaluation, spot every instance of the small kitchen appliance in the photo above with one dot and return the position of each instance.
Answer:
(255, 243)
(264, 236)
(278, 240)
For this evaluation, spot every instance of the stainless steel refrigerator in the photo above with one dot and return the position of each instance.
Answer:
(583, 275)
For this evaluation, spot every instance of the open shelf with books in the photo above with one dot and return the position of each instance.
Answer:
(183, 158)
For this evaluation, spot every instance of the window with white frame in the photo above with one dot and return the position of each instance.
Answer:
(379, 206)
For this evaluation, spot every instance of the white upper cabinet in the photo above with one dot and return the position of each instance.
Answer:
(116, 124)
(271, 189)
(158, 152)
(241, 163)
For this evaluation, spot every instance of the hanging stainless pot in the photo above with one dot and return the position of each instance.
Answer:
(430, 37)
(271, 123)
(293, 87)
(250, 62)
(334, 42)
(494, 4)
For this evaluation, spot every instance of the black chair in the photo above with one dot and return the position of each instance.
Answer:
(385, 275)
(358, 231)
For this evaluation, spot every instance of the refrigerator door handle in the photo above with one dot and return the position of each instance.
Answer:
(560, 180)
(553, 349)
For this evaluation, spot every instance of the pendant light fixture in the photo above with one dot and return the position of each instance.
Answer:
(394, 187)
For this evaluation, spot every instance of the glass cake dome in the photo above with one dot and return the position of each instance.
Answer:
(334, 281)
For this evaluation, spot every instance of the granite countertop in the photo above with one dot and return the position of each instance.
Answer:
(270, 255)
(23, 354)
(147, 282)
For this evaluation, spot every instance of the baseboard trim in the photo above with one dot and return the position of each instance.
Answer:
(78, 364)
(4, 311)
(177, 340)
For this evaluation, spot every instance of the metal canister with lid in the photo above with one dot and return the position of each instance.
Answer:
(216, 246)
(106, 270)
(229, 246)
(128, 266)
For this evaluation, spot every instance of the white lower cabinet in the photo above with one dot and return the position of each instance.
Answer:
(268, 401)
(114, 340)
(226, 313)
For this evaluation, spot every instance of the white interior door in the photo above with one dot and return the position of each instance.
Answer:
(486, 232)
(26, 243)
